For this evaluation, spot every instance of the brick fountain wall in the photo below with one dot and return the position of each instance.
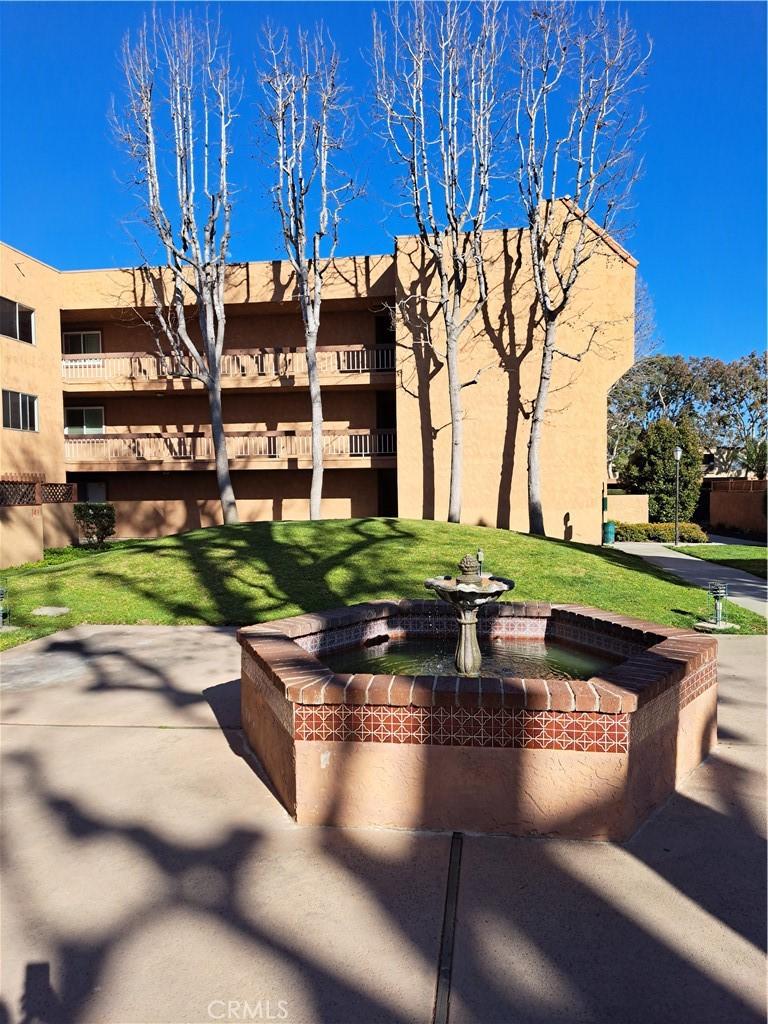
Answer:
(579, 758)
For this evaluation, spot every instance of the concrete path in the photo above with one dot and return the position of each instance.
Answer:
(718, 538)
(150, 875)
(743, 589)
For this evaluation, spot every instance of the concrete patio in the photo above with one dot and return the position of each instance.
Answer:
(151, 876)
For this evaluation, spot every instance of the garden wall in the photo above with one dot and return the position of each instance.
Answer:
(628, 508)
(34, 515)
(738, 505)
(21, 534)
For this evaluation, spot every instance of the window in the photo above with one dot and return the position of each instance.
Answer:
(76, 343)
(93, 491)
(17, 321)
(19, 411)
(84, 420)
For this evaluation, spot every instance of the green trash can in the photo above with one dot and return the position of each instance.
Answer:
(609, 532)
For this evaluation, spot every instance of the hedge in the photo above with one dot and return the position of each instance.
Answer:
(690, 533)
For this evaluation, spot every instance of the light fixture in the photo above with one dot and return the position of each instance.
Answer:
(678, 453)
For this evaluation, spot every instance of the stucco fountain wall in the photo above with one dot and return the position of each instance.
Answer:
(581, 758)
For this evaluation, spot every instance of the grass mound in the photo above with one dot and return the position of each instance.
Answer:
(259, 571)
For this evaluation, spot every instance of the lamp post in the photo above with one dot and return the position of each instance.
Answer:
(678, 453)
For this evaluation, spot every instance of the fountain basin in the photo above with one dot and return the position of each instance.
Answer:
(584, 758)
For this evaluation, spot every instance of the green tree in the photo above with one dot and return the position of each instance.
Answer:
(735, 421)
(651, 469)
(655, 388)
(754, 457)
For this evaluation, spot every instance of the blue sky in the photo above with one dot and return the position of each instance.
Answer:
(700, 211)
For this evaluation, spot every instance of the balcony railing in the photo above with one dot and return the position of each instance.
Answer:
(333, 360)
(267, 445)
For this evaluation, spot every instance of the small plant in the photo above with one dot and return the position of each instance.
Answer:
(96, 520)
(690, 533)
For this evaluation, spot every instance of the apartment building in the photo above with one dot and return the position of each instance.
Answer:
(89, 401)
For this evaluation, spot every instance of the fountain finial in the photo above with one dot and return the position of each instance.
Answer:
(470, 569)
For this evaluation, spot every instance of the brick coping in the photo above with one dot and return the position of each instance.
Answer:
(661, 656)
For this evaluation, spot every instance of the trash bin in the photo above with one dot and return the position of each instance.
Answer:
(609, 532)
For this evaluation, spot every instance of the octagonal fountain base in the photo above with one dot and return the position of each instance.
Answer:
(581, 758)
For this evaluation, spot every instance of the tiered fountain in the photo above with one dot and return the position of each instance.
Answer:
(467, 592)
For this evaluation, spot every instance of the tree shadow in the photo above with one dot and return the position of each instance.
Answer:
(614, 966)
(512, 347)
(207, 881)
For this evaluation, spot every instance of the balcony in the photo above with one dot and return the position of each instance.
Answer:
(266, 449)
(240, 368)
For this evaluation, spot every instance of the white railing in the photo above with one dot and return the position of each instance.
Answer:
(333, 360)
(256, 445)
(112, 365)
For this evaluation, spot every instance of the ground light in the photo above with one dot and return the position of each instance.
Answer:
(717, 592)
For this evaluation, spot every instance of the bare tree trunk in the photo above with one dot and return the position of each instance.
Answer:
(575, 125)
(179, 68)
(223, 479)
(440, 104)
(306, 120)
(316, 489)
(457, 430)
(535, 507)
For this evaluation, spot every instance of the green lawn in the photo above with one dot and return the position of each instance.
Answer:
(745, 557)
(261, 571)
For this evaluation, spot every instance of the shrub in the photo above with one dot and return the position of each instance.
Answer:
(96, 520)
(690, 533)
(651, 469)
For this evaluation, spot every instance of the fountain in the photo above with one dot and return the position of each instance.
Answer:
(466, 593)
(577, 722)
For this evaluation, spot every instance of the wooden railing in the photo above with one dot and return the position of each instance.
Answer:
(242, 445)
(333, 360)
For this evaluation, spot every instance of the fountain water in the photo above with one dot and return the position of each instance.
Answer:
(466, 593)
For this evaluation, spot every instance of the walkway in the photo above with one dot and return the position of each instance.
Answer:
(150, 875)
(744, 589)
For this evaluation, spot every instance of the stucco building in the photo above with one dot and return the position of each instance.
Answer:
(87, 400)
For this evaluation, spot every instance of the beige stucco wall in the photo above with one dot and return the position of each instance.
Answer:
(254, 284)
(152, 504)
(289, 410)
(279, 327)
(33, 369)
(505, 345)
(628, 508)
(59, 526)
(21, 535)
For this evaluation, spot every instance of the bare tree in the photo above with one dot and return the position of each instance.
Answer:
(576, 126)
(179, 86)
(648, 341)
(628, 399)
(438, 98)
(305, 117)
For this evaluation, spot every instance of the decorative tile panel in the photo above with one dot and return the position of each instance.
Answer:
(463, 727)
